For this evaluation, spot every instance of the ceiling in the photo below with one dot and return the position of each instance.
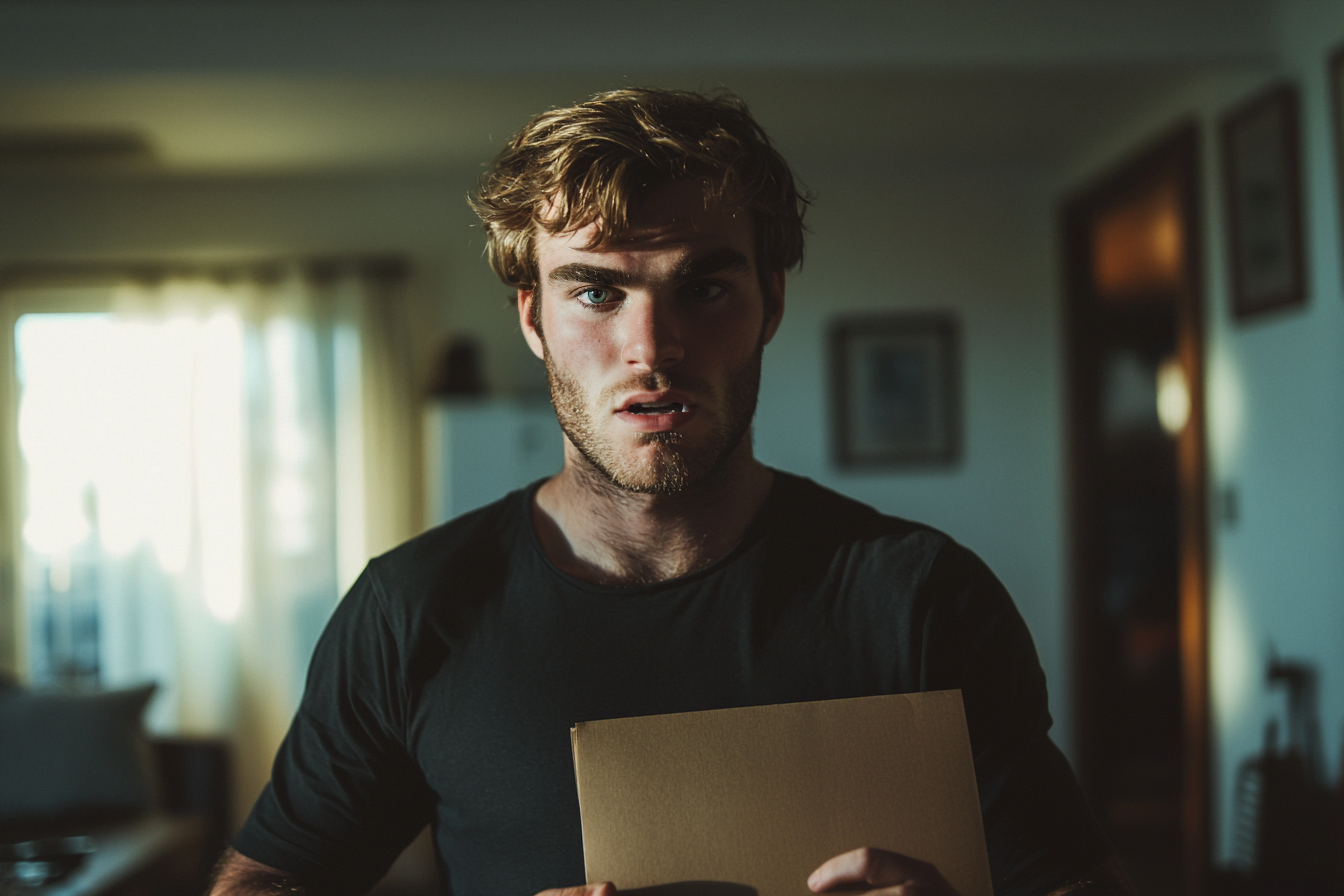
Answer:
(256, 123)
(230, 87)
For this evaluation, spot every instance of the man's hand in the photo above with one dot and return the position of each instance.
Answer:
(603, 889)
(892, 874)
(881, 873)
(237, 875)
(1109, 879)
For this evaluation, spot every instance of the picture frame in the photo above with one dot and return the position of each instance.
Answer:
(895, 390)
(1262, 180)
(1335, 73)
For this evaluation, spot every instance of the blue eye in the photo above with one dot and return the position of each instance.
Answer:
(596, 295)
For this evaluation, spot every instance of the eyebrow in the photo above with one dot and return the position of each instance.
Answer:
(589, 273)
(719, 260)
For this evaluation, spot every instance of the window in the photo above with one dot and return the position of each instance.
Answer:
(189, 496)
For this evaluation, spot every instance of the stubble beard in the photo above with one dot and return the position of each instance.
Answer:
(674, 466)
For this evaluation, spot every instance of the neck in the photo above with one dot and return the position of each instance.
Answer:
(598, 532)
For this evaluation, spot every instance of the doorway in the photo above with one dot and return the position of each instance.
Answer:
(1134, 346)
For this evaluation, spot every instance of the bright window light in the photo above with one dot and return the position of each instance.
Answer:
(290, 496)
(124, 425)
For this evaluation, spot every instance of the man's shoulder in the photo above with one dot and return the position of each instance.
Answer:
(464, 552)
(837, 529)
(811, 510)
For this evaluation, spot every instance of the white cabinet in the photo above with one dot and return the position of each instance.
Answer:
(477, 450)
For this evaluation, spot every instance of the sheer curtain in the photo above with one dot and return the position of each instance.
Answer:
(205, 465)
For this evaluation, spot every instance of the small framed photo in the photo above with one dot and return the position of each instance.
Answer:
(1263, 189)
(895, 390)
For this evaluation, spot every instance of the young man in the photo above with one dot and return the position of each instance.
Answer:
(663, 569)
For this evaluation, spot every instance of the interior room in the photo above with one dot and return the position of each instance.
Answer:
(253, 341)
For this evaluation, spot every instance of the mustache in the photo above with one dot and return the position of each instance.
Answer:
(656, 381)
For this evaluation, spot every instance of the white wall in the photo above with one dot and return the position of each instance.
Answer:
(1277, 418)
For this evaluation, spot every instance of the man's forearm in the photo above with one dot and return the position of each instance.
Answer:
(237, 875)
(1109, 879)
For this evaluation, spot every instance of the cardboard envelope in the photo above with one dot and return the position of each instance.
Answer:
(736, 802)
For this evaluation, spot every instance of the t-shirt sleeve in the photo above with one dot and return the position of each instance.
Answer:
(1039, 830)
(344, 797)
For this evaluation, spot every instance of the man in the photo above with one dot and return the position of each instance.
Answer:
(663, 569)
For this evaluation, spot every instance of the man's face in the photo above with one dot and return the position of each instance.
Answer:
(653, 344)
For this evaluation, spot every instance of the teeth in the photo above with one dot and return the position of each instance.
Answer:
(670, 408)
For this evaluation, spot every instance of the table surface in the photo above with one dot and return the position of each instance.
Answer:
(122, 851)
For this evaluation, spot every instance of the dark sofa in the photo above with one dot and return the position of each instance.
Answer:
(90, 804)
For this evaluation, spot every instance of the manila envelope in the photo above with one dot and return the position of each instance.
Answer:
(736, 802)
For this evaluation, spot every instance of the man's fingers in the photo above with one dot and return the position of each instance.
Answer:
(603, 889)
(878, 868)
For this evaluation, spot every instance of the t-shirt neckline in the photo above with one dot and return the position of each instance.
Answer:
(755, 531)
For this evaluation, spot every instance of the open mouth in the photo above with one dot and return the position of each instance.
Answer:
(670, 407)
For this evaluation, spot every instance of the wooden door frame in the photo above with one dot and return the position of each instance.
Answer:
(1176, 150)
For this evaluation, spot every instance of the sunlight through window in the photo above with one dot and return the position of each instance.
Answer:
(132, 437)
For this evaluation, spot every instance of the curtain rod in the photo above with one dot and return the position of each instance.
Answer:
(382, 269)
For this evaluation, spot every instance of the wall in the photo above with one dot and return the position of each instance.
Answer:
(1275, 417)
(1278, 422)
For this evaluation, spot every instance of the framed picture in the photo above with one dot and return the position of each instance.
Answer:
(1263, 187)
(1337, 114)
(895, 390)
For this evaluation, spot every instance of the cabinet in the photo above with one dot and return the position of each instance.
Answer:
(478, 450)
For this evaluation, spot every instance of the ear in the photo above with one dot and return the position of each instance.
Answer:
(774, 305)
(525, 299)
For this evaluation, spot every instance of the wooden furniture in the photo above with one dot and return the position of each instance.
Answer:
(1138, 529)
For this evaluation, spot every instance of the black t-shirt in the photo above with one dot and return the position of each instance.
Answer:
(444, 688)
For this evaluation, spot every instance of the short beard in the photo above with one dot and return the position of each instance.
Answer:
(673, 470)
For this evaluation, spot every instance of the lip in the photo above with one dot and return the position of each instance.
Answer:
(667, 396)
(656, 422)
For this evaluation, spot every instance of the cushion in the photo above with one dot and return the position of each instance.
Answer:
(73, 755)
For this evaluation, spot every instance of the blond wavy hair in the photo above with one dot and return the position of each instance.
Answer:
(592, 162)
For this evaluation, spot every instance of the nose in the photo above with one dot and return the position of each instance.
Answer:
(652, 337)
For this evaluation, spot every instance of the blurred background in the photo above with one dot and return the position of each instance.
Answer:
(253, 342)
